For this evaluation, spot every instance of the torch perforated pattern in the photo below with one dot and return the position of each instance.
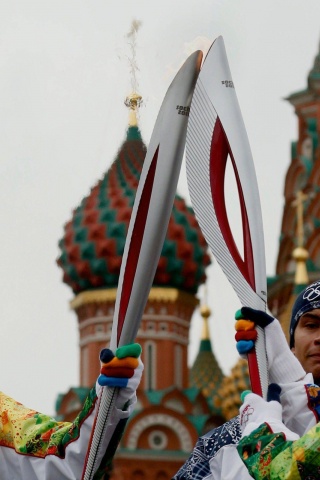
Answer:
(201, 124)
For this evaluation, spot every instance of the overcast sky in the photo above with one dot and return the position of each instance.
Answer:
(64, 75)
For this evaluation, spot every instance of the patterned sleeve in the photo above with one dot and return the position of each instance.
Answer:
(313, 395)
(37, 446)
(33, 433)
(258, 450)
(269, 456)
(197, 466)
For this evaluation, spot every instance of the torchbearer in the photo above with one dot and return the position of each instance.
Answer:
(247, 446)
(281, 438)
(36, 447)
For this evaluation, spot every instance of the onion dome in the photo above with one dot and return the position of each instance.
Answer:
(232, 387)
(93, 241)
(206, 373)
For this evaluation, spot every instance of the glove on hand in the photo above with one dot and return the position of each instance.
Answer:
(247, 318)
(255, 411)
(123, 370)
(283, 366)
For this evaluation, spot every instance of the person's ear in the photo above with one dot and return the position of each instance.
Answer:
(293, 350)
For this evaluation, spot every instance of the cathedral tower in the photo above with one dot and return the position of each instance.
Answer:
(300, 229)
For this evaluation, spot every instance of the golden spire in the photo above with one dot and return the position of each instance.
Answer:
(205, 313)
(300, 254)
(134, 100)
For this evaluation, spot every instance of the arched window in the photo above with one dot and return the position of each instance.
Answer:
(138, 475)
(150, 365)
(178, 366)
(85, 366)
(162, 476)
(307, 148)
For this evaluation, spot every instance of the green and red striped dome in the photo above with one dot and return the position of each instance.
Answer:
(93, 241)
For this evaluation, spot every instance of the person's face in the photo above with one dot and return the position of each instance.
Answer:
(307, 343)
